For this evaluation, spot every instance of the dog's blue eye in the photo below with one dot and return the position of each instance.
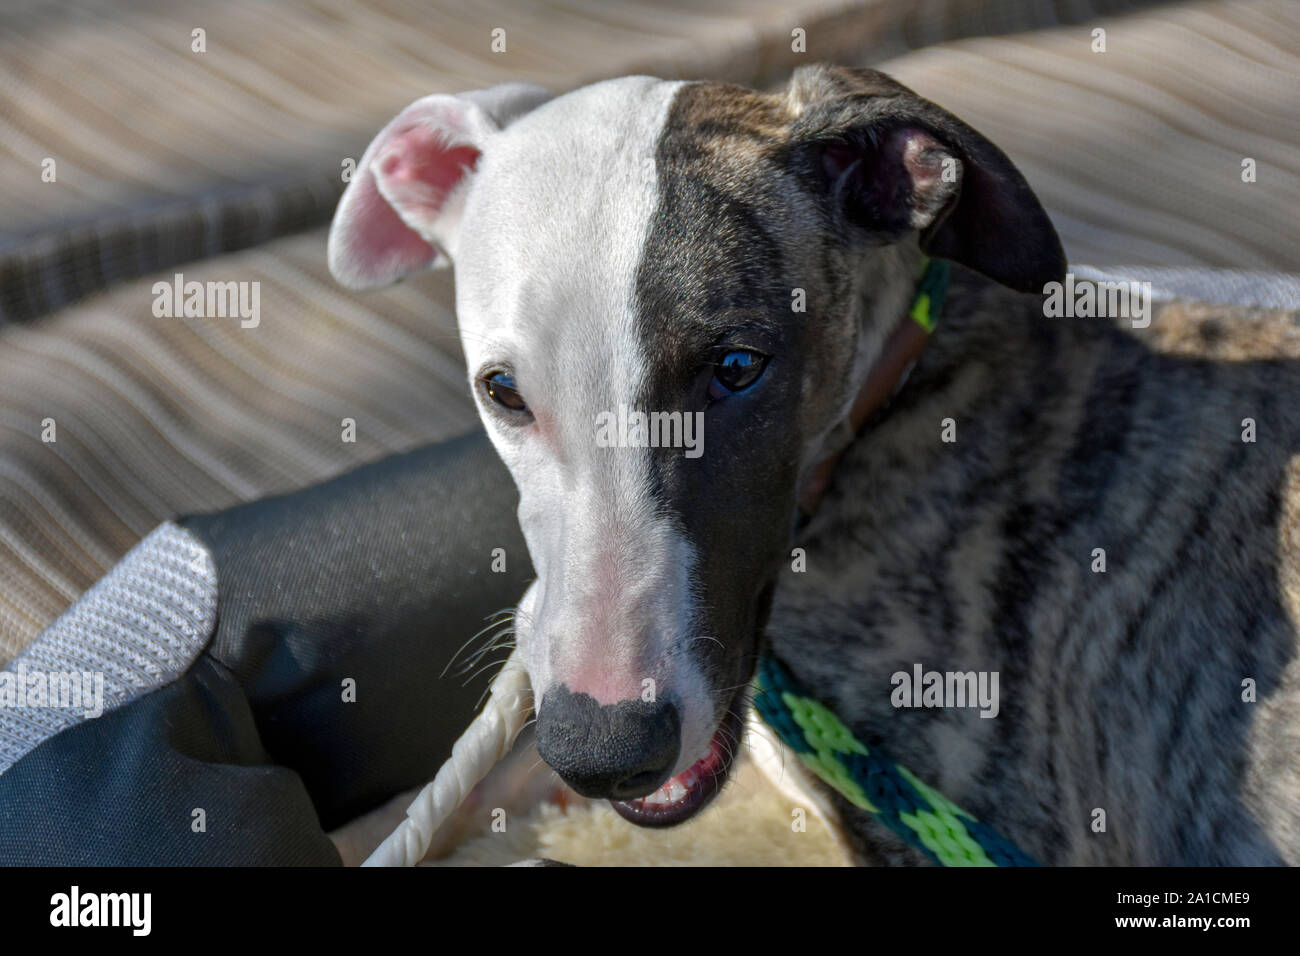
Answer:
(501, 389)
(736, 371)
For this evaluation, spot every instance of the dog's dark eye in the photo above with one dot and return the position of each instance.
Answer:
(736, 371)
(501, 388)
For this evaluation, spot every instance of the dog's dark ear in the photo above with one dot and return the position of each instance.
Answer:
(894, 162)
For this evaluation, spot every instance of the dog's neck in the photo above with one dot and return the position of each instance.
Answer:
(991, 349)
(903, 343)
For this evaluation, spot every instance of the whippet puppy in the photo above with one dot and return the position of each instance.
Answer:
(688, 313)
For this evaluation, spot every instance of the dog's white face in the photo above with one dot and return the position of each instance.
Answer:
(638, 246)
(546, 262)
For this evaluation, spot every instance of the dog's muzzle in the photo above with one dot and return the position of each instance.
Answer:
(613, 751)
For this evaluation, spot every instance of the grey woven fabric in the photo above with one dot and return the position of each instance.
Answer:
(135, 630)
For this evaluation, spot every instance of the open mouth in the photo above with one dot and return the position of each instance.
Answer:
(687, 793)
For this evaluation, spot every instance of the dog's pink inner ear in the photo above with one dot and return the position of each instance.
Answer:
(897, 184)
(393, 216)
(416, 170)
(379, 247)
(921, 156)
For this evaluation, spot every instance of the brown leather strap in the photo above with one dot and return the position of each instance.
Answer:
(900, 350)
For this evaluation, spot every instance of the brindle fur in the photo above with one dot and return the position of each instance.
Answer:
(1120, 691)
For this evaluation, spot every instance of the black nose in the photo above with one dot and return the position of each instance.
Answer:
(616, 751)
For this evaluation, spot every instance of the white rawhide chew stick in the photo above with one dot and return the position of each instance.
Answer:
(488, 738)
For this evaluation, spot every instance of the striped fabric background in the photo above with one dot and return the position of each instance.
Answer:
(225, 165)
(164, 154)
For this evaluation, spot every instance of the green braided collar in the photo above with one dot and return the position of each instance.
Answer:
(922, 816)
(931, 290)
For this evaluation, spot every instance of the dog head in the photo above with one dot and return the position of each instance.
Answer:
(669, 295)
